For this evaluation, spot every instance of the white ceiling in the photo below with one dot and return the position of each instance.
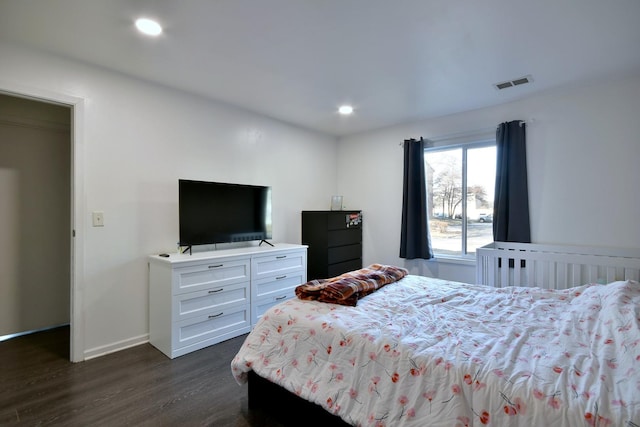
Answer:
(298, 60)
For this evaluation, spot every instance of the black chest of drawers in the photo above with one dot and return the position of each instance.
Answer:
(335, 242)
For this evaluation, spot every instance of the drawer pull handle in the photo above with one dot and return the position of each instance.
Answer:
(213, 291)
(281, 277)
(213, 316)
(281, 298)
(216, 266)
(281, 256)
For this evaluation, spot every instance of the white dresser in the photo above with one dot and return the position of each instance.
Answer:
(208, 297)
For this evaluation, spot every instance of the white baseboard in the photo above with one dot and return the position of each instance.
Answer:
(92, 353)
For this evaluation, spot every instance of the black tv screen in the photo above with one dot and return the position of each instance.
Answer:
(215, 212)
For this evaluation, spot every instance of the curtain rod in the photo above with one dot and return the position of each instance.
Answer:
(523, 122)
(469, 133)
(527, 122)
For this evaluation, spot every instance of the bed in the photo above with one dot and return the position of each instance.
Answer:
(429, 352)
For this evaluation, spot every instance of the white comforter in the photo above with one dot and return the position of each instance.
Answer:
(425, 352)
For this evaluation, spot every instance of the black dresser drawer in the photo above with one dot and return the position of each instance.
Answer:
(342, 220)
(343, 267)
(344, 253)
(344, 237)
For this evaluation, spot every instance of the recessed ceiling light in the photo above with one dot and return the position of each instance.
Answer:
(345, 110)
(148, 26)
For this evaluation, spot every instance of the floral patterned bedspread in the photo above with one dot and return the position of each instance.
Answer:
(426, 352)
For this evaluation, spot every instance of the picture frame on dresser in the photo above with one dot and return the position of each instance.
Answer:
(336, 203)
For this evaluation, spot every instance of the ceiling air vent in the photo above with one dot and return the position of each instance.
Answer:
(515, 82)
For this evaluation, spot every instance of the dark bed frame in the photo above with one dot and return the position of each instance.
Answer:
(286, 407)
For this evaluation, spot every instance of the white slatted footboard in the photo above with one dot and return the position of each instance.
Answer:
(503, 264)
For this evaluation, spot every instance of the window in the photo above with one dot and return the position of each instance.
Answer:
(460, 187)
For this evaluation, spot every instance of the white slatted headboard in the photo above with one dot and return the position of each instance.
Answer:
(503, 264)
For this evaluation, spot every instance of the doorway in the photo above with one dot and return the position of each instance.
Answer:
(35, 187)
(35, 256)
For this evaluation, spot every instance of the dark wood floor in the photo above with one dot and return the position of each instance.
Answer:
(134, 387)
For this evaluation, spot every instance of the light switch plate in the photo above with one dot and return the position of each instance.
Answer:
(98, 219)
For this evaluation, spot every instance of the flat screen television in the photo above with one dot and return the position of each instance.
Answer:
(216, 212)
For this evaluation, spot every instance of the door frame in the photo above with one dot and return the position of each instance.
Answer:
(77, 315)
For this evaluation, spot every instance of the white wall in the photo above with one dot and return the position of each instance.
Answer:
(583, 151)
(139, 138)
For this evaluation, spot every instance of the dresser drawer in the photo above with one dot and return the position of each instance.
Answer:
(344, 237)
(211, 275)
(277, 265)
(209, 326)
(219, 298)
(344, 253)
(260, 306)
(277, 285)
(343, 267)
(342, 220)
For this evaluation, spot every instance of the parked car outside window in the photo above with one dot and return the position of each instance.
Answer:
(485, 217)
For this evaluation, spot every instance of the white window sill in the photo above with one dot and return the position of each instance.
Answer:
(471, 261)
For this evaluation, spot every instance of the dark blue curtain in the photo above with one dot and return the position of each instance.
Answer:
(414, 235)
(511, 203)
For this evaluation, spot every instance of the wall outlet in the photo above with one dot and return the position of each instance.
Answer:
(98, 219)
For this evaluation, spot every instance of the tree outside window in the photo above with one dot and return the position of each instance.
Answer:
(460, 187)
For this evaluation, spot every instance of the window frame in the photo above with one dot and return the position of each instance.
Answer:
(464, 142)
